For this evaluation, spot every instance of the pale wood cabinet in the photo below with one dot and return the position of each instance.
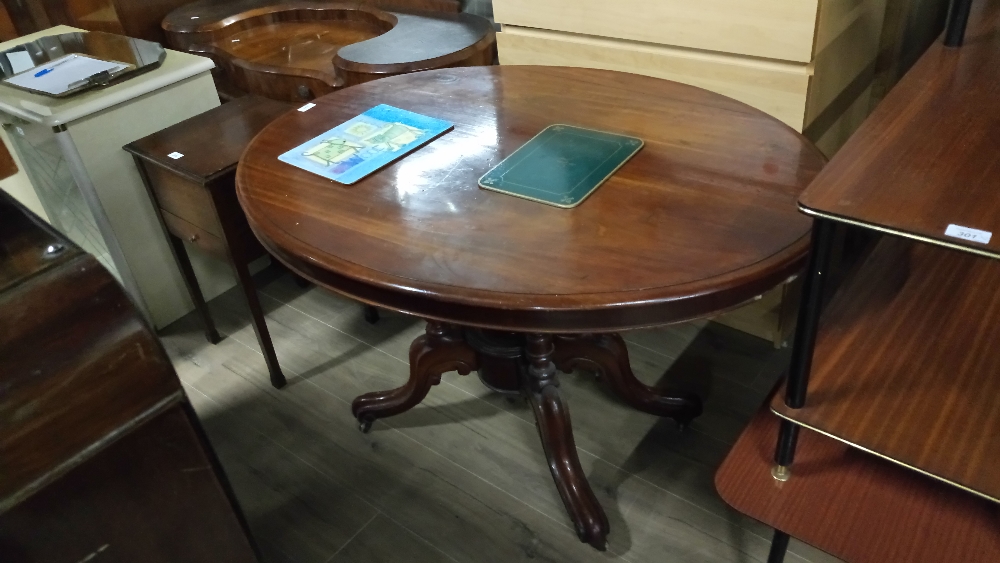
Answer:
(810, 63)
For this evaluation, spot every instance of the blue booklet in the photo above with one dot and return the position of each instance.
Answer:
(355, 149)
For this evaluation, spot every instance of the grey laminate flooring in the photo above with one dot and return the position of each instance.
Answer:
(462, 477)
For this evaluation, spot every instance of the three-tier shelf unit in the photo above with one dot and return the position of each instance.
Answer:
(897, 383)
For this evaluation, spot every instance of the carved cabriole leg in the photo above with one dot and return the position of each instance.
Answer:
(441, 349)
(556, 433)
(607, 355)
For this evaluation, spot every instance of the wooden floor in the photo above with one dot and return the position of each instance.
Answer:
(462, 478)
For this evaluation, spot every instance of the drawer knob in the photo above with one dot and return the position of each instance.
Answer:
(193, 237)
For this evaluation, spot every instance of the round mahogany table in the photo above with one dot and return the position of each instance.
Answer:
(702, 219)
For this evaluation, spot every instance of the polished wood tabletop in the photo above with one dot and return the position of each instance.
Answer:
(702, 219)
(927, 157)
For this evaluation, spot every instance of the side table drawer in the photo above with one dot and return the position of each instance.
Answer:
(204, 240)
(184, 199)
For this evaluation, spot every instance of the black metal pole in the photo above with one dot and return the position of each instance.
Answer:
(788, 437)
(809, 313)
(958, 17)
(779, 545)
(805, 340)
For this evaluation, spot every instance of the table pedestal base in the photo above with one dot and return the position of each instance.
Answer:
(527, 364)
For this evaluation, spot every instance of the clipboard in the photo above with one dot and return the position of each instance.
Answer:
(68, 75)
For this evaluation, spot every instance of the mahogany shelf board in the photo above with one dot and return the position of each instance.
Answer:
(926, 157)
(854, 505)
(907, 366)
(702, 218)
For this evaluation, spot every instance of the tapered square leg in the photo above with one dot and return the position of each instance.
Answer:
(259, 324)
(194, 290)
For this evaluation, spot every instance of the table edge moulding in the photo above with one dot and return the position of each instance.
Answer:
(602, 311)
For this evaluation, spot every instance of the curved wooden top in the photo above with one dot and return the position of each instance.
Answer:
(208, 14)
(294, 50)
(701, 219)
(314, 36)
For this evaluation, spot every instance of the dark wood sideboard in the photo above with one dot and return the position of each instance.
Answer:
(101, 456)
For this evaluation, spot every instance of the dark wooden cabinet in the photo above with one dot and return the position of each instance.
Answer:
(189, 170)
(101, 456)
(134, 18)
(138, 18)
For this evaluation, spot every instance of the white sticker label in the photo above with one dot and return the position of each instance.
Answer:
(965, 233)
(175, 155)
(307, 107)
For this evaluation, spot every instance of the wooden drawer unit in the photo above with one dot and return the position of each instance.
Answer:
(772, 29)
(809, 63)
(185, 199)
(774, 87)
(195, 195)
(195, 236)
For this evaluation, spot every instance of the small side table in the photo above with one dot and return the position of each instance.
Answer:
(195, 198)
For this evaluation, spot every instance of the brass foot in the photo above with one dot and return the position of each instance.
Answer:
(781, 473)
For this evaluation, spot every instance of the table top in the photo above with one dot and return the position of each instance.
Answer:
(906, 364)
(926, 157)
(211, 142)
(702, 219)
(49, 111)
(855, 506)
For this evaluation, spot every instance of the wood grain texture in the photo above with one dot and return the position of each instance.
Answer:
(8, 29)
(774, 29)
(894, 176)
(184, 198)
(151, 496)
(200, 13)
(296, 51)
(211, 142)
(49, 336)
(133, 18)
(777, 88)
(698, 221)
(854, 505)
(906, 364)
(22, 20)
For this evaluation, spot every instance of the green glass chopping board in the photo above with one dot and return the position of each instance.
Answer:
(562, 165)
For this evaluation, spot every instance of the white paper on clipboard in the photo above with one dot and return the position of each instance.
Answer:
(65, 71)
